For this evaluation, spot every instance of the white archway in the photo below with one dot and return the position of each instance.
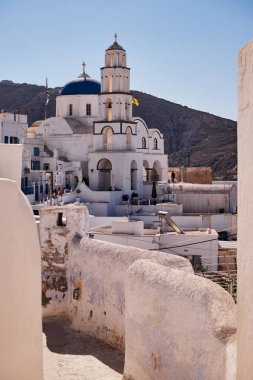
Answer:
(104, 168)
(156, 173)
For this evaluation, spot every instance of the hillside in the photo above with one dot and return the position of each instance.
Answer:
(192, 137)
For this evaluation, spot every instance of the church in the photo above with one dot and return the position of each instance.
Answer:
(95, 139)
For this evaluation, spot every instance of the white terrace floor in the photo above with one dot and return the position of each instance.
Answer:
(71, 355)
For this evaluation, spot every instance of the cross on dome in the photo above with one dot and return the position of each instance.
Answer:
(115, 36)
(84, 65)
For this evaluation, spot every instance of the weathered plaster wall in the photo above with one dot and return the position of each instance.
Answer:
(20, 286)
(245, 242)
(98, 270)
(178, 326)
(55, 241)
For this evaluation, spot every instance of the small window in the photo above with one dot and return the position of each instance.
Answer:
(88, 109)
(6, 139)
(61, 220)
(15, 117)
(70, 109)
(15, 140)
(11, 140)
(36, 151)
(143, 143)
(155, 143)
(46, 167)
(35, 165)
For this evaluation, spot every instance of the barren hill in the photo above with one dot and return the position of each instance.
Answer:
(192, 137)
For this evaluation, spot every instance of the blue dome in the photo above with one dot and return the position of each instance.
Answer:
(82, 86)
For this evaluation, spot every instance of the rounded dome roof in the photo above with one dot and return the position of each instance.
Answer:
(82, 86)
(115, 46)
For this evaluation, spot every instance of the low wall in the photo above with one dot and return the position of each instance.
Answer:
(97, 271)
(184, 329)
(127, 227)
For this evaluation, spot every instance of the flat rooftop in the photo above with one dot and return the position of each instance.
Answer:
(152, 231)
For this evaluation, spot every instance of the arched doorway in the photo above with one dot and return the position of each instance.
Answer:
(156, 173)
(134, 171)
(104, 168)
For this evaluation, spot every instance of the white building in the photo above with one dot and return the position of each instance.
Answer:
(13, 128)
(95, 138)
(201, 245)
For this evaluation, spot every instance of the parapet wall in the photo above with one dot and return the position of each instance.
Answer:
(184, 329)
(98, 270)
(149, 303)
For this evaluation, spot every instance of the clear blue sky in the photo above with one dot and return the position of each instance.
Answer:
(184, 51)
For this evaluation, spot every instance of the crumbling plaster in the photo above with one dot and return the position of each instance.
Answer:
(147, 302)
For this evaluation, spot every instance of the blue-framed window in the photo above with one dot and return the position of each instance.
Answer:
(36, 151)
(35, 165)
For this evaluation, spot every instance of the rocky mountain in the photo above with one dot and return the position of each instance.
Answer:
(192, 138)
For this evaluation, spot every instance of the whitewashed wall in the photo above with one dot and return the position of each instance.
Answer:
(178, 326)
(20, 285)
(99, 270)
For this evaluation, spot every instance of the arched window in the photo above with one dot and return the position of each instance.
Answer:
(108, 109)
(143, 143)
(155, 143)
(107, 138)
(128, 138)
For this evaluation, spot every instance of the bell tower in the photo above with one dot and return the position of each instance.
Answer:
(115, 100)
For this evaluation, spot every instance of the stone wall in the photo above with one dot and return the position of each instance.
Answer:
(184, 328)
(169, 320)
(98, 270)
(58, 225)
(201, 175)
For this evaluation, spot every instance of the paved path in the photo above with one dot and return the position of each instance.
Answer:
(71, 355)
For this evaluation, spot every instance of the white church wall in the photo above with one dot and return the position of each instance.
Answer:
(20, 284)
(78, 106)
(160, 142)
(184, 329)
(73, 149)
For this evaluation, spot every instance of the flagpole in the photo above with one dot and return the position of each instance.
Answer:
(47, 99)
